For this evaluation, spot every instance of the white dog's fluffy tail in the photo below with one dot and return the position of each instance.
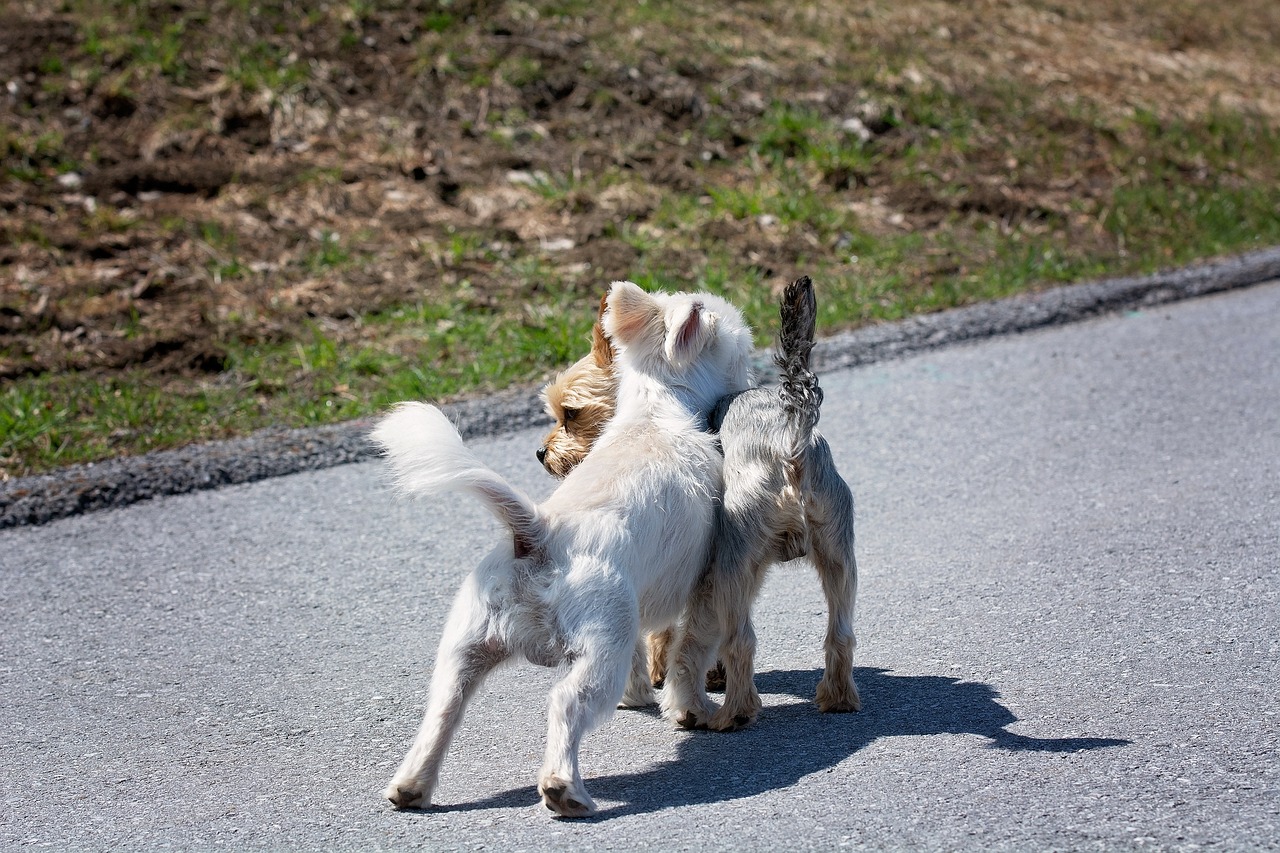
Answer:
(428, 457)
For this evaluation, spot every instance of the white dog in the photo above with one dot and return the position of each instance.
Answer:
(614, 551)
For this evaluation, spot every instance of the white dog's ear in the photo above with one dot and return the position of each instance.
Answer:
(632, 314)
(688, 329)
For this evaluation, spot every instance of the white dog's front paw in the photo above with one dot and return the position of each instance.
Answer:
(408, 794)
(687, 718)
(567, 799)
(693, 714)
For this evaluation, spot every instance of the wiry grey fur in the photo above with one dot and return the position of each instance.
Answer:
(798, 387)
(783, 498)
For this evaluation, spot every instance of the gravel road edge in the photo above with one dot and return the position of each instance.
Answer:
(275, 452)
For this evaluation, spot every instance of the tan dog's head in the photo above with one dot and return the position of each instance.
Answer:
(581, 400)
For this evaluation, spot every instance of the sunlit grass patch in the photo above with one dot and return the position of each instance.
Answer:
(72, 418)
(233, 214)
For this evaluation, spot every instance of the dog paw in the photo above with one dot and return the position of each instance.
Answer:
(566, 799)
(728, 720)
(837, 698)
(690, 720)
(741, 711)
(694, 715)
(407, 795)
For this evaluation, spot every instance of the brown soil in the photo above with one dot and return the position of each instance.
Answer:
(166, 214)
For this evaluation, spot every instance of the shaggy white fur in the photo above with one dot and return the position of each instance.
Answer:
(615, 550)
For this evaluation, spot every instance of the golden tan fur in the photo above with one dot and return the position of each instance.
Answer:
(581, 400)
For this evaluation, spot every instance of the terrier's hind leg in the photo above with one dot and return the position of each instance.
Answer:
(837, 567)
(736, 589)
(462, 662)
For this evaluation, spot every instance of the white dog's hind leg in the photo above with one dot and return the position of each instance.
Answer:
(462, 662)
(583, 699)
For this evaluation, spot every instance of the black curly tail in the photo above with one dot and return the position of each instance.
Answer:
(798, 387)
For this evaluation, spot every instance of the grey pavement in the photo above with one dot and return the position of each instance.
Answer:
(1069, 623)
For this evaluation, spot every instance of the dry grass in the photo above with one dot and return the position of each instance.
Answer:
(218, 216)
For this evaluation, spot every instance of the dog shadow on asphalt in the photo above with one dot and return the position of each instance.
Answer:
(799, 741)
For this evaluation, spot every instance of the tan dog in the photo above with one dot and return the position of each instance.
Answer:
(581, 400)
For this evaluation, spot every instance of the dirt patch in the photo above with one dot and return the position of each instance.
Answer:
(176, 175)
(187, 179)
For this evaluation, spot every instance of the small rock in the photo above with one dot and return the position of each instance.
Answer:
(557, 244)
(855, 128)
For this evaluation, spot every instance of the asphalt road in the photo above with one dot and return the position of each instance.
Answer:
(1069, 623)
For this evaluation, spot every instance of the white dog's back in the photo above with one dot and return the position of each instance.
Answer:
(643, 496)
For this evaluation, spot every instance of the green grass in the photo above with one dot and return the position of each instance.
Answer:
(75, 418)
(331, 253)
(70, 418)
(27, 157)
(262, 66)
(1092, 190)
(1190, 193)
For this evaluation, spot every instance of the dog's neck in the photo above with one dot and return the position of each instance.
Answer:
(644, 391)
(641, 396)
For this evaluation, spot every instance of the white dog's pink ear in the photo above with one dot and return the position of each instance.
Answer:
(690, 327)
(630, 313)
